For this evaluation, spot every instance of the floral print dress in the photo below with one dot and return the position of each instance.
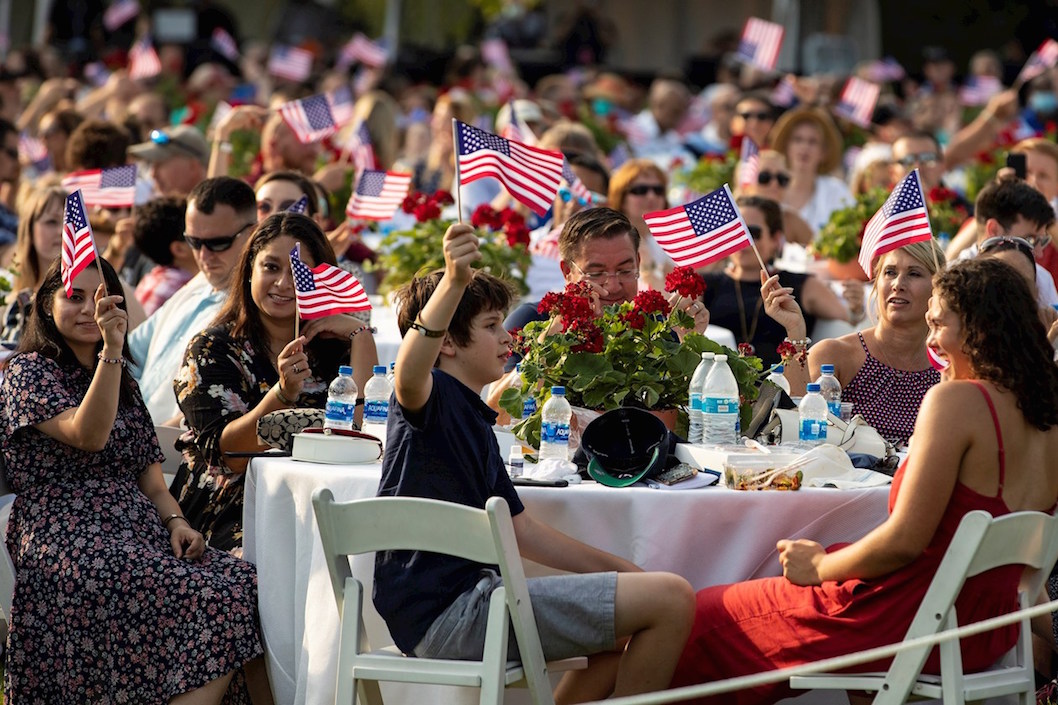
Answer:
(103, 611)
(222, 378)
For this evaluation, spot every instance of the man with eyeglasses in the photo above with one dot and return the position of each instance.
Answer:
(1010, 208)
(221, 212)
(177, 157)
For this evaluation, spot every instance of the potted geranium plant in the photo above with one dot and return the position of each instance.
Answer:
(839, 240)
(631, 355)
(405, 254)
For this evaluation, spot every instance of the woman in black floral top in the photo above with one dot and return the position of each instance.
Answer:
(117, 598)
(248, 364)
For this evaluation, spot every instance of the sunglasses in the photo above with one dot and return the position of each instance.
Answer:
(781, 177)
(644, 189)
(763, 117)
(164, 140)
(920, 158)
(214, 244)
(1002, 243)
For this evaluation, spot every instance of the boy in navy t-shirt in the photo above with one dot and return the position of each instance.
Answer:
(632, 625)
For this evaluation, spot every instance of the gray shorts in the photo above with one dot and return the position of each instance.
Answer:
(574, 616)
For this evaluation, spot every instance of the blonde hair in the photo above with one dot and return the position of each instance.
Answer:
(1037, 144)
(25, 262)
(927, 253)
(832, 147)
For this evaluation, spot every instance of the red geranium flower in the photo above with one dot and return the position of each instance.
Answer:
(484, 216)
(589, 333)
(745, 349)
(517, 236)
(651, 301)
(442, 198)
(686, 282)
(427, 211)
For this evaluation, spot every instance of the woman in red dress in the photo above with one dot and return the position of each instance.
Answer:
(1001, 456)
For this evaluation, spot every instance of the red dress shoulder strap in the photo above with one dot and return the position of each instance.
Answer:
(999, 434)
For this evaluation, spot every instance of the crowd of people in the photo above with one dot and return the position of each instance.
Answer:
(190, 320)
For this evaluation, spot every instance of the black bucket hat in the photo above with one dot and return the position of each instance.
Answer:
(624, 446)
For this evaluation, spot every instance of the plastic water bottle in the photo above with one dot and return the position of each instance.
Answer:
(694, 397)
(720, 405)
(813, 411)
(776, 377)
(830, 388)
(529, 404)
(341, 400)
(554, 429)
(376, 397)
(392, 375)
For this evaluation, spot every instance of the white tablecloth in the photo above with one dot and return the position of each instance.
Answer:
(709, 536)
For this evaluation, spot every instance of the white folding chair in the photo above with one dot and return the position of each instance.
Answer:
(167, 437)
(980, 544)
(404, 523)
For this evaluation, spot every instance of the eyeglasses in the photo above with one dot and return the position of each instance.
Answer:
(265, 208)
(781, 177)
(621, 275)
(214, 244)
(1002, 243)
(162, 139)
(927, 158)
(763, 117)
(644, 189)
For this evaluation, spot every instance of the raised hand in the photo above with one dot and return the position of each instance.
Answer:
(293, 366)
(460, 250)
(781, 306)
(113, 321)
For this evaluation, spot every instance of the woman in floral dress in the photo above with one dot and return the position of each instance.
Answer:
(248, 364)
(117, 599)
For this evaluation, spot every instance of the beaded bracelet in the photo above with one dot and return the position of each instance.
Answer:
(801, 343)
(361, 329)
(111, 360)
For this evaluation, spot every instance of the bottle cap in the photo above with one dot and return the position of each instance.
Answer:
(392, 366)
(826, 369)
(518, 367)
(558, 391)
(778, 370)
(720, 358)
(345, 370)
(708, 356)
(379, 369)
(813, 387)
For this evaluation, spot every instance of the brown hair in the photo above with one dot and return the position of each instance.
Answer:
(594, 224)
(1004, 337)
(771, 211)
(97, 144)
(484, 293)
(786, 124)
(29, 270)
(621, 180)
(307, 186)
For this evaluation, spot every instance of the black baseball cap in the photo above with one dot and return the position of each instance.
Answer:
(625, 445)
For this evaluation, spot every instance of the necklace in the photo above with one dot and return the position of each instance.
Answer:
(748, 330)
(904, 365)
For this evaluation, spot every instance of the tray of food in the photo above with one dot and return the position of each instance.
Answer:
(764, 472)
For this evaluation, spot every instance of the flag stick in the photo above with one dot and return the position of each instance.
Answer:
(459, 187)
(933, 242)
(752, 244)
(102, 279)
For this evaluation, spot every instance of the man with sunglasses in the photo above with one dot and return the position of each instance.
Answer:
(177, 157)
(221, 213)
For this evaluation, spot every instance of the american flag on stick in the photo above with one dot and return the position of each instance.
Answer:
(224, 44)
(119, 13)
(900, 221)
(857, 101)
(701, 232)
(360, 149)
(78, 247)
(784, 94)
(107, 188)
(576, 186)
(32, 151)
(317, 116)
(325, 290)
(378, 195)
(291, 63)
(978, 89)
(517, 129)
(362, 49)
(760, 43)
(530, 174)
(749, 163)
(1042, 59)
(143, 60)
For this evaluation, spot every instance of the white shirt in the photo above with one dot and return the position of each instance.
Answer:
(830, 194)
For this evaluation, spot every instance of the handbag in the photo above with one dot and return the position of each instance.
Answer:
(278, 428)
(853, 436)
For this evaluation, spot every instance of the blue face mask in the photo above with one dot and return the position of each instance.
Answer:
(1043, 103)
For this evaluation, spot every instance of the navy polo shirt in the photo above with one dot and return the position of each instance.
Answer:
(446, 451)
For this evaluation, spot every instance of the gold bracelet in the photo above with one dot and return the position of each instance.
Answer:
(279, 395)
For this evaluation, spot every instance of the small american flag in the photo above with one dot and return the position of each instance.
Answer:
(78, 247)
(784, 94)
(885, 70)
(360, 149)
(517, 129)
(362, 49)
(900, 221)
(760, 43)
(313, 118)
(978, 89)
(749, 162)
(325, 289)
(224, 44)
(291, 63)
(857, 101)
(530, 174)
(106, 188)
(700, 232)
(576, 186)
(143, 60)
(1042, 59)
(32, 151)
(378, 195)
(341, 100)
(547, 246)
(299, 206)
(119, 13)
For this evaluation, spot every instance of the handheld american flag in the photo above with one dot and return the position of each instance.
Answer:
(784, 94)
(317, 116)
(978, 89)
(749, 163)
(857, 101)
(360, 148)
(78, 247)
(516, 128)
(378, 195)
(702, 231)
(224, 44)
(143, 60)
(362, 49)
(32, 151)
(325, 289)
(299, 206)
(106, 188)
(530, 174)
(760, 43)
(119, 13)
(291, 63)
(900, 221)
(1042, 59)
(576, 186)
